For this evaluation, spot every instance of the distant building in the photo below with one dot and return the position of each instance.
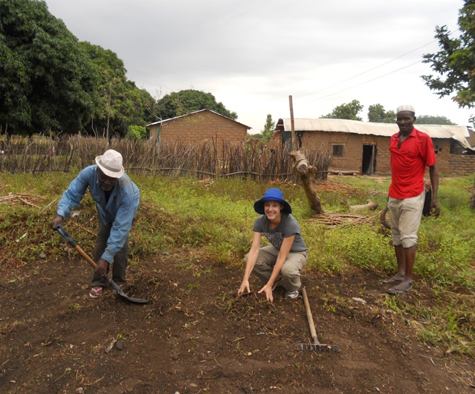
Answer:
(197, 127)
(363, 147)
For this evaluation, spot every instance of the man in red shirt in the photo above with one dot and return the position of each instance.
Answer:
(411, 152)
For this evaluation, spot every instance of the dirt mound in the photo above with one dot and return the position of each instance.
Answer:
(196, 336)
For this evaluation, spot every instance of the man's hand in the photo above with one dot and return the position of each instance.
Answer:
(434, 208)
(267, 289)
(244, 286)
(102, 266)
(57, 221)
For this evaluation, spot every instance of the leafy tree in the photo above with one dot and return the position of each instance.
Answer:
(46, 79)
(137, 132)
(186, 101)
(454, 63)
(377, 114)
(346, 111)
(268, 128)
(255, 136)
(118, 102)
(428, 119)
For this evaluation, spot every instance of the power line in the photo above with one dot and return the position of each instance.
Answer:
(371, 80)
(367, 71)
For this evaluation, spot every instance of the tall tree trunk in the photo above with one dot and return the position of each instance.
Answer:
(305, 172)
(108, 114)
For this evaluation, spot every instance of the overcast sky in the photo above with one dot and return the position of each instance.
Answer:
(253, 54)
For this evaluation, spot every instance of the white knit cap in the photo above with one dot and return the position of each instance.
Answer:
(402, 108)
(110, 163)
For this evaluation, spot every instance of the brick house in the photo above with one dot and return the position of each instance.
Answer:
(197, 127)
(363, 147)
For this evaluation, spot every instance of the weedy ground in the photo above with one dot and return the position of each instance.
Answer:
(186, 255)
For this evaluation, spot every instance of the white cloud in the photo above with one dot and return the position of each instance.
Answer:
(252, 54)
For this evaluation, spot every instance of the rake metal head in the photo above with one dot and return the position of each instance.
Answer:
(318, 347)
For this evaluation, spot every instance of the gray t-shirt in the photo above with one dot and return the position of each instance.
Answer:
(287, 227)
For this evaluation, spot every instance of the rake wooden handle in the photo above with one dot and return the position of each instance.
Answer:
(311, 324)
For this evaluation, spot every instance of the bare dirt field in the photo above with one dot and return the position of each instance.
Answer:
(196, 336)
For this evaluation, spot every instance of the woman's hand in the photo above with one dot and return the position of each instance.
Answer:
(244, 286)
(267, 289)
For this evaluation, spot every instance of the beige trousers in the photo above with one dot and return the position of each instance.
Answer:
(290, 270)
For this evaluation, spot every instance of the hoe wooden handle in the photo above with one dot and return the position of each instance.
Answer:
(85, 256)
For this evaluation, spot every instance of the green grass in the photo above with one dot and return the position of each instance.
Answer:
(215, 219)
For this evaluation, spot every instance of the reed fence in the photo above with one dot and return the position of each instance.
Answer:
(255, 159)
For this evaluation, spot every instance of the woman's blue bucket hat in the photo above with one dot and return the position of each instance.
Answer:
(272, 195)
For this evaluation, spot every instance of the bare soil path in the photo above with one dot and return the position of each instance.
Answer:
(196, 336)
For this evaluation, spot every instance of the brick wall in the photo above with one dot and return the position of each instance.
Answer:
(352, 159)
(199, 127)
(462, 164)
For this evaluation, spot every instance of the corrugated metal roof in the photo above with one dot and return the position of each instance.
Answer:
(192, 113)
(460, 133)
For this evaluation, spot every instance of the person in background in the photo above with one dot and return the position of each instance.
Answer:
(427, 198)
(411, 152)
(280, 262)
(117, 200)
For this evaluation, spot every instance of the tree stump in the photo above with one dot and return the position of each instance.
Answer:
(305, 171)
(369, 206)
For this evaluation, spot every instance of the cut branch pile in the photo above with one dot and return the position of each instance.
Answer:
(25, 199)
(344, 219)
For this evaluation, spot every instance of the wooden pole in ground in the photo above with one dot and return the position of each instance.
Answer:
(295, 143)
(302, 167)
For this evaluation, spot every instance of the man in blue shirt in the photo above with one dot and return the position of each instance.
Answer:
(117, 200)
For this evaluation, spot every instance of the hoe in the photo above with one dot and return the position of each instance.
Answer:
(92, 263)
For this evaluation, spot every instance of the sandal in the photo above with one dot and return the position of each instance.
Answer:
(393, 279)
(96, 292)
(121, 286)
(396, 291)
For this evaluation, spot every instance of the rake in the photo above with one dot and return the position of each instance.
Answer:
(316, 345)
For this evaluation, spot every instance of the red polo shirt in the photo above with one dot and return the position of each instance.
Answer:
(408, 164)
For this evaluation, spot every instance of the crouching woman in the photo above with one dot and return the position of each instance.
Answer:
(280, 262)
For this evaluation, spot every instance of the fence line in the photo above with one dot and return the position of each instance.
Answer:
(252, 159)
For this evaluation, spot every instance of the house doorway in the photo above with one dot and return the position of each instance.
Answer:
(368, 165)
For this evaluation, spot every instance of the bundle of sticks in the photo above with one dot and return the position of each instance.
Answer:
(343, 219)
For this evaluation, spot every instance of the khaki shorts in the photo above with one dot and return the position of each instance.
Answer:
(405, 216)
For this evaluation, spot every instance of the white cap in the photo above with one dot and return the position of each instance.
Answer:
(402, 108)
(110, 163)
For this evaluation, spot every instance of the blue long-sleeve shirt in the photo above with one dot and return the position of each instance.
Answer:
(117, 213)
